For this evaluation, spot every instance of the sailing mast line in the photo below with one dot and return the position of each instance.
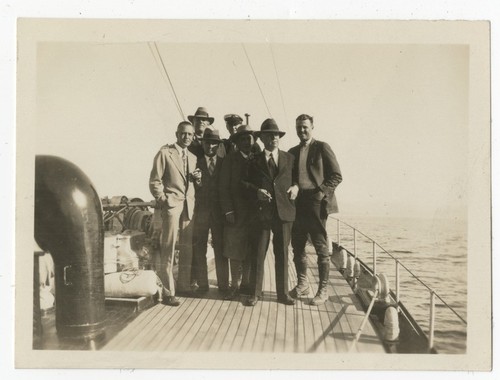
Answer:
(177, 103)
(279, 84)
(256, 80)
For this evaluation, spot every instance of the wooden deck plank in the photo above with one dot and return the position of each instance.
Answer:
(138, 338)
(196, 343)
(225, 325)
(290, 331)
(133, 328)
(260, 333)
(270, 333)
(190, 328)
(168, 326)
(211, 324)
(243, 328)
(234, 325)
(214, 328)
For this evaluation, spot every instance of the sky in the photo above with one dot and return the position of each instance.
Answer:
(396, 115)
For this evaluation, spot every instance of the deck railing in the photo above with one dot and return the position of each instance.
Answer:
(375, 249)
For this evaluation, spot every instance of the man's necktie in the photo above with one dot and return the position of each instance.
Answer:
(273, 168)
(211, 166)
(184, 162)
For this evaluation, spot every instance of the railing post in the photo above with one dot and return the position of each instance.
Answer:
(354, 238)
(374, 260)
(338, 232)
(431, 319)
(397, 285)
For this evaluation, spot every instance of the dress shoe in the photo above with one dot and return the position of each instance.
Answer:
(171, 301)
(252, 301)
(299, 291)
(286, 299)
(202, 290)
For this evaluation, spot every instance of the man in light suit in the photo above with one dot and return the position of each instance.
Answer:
(208, 216)
(172, 181)
(270, 174)
(318, 175)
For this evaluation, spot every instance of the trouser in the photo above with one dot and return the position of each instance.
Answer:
(176, 223)
(200, 240)
(310, 220)
(281, 240)
(240, 273)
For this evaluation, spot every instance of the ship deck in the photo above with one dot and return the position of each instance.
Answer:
(216, 325)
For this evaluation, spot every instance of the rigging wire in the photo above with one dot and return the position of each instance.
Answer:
(177, 103)
(256, 80)
(279, 84)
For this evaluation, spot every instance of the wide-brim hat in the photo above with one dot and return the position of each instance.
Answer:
(201, 113)
(211, 134)
(240, 131)
(269, 126)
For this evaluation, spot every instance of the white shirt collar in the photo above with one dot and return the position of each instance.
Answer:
(180, 149)
(275, 155)
(243, 154)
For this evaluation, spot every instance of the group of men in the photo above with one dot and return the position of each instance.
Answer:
(240, 194)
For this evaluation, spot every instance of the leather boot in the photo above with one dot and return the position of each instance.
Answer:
(302, 288)
(324, 272)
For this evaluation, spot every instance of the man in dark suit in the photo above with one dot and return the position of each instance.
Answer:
(208, 216)
(318, 174)
(200, 120)
(171, 183)
(233, 122)
(238, 208)
(270, 175)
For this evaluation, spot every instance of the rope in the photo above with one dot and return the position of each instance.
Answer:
(177, 103)
(256, 80)
(279, 85)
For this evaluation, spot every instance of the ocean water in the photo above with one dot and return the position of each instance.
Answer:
(434, 250)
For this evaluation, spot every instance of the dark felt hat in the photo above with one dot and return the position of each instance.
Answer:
(269, 126)
(211, 134)
(240, 131)
(201, 113)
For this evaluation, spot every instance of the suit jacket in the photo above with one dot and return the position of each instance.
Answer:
(323, 169)
(260, 178)
(207, 195)
(167, 182)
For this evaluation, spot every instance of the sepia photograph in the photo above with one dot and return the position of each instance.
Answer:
(253, 194)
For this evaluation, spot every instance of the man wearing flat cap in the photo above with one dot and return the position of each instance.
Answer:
(238, 209)
(270, 175)
(200, 120)
(234, 121)
(208, 216)
(318, 175)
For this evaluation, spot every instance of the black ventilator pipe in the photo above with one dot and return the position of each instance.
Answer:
(69, 225)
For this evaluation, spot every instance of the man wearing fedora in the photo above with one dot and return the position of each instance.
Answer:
(171, 182)
(233, 121)
(200, 120)
(318, 174)
(208, 216)
(238, 209)
(270, 175)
